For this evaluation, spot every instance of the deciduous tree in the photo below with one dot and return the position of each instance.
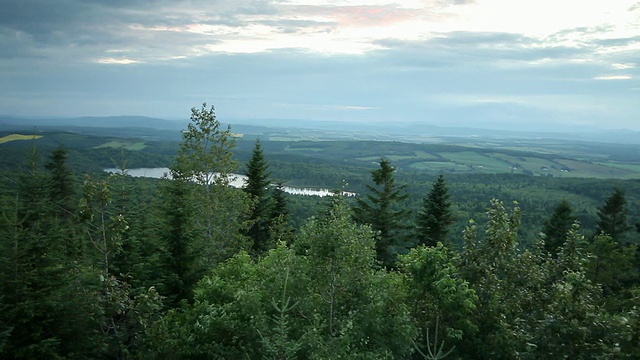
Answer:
(206, 158)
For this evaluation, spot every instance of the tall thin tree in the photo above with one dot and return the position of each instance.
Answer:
(612, 216)
(557, 227)
(435, 217)
(381, 208)
(206, 158)
(257, 187)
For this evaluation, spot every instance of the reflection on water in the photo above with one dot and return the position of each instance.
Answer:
(237, 181)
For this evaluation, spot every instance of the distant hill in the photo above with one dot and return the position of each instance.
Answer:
(305, 128)
(100, 122)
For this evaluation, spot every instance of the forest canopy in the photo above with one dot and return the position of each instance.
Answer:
(110, 266)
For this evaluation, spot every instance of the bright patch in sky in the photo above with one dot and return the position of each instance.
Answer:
(123, 61)
(613, 77)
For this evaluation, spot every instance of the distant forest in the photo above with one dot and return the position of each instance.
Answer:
(456, 251)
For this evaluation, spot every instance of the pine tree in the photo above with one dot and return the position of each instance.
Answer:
(256, 187)
(435, 218)
(381, 209)
(612, 216)
(557, 226)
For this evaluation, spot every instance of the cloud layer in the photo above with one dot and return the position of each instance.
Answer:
(495, 62)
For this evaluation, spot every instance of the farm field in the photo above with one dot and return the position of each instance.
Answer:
(14, 137)
(128, 145)
(535, 157)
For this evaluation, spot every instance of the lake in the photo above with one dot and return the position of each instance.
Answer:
(237, 181)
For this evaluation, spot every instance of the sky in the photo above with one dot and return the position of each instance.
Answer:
(547, 64)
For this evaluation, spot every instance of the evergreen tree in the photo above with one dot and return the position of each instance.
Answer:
(612, 216)
(32, 192)
(37, 281)
(178, 237)
(61, 182)
(256, 187)
(381, 209)
(610, 265)
(279, 208)
(435, 217)
(280, 228)
(557, 226)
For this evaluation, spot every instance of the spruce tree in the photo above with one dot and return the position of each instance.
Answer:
(60, 182)
(381, 208)
(38, 280)
(435, 217)
(256, 187)
(280, 228)
(279, 208)
(612, 216)
(557, 226)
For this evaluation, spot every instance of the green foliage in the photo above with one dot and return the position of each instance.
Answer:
(356, 306)
(205, 154)
(572, 256)
(125, 316)
(176, 232)
(205, 157)
(556, 227)
(438, 297)
(80, 281)
(256, 187)
(435, 217)
(38, 276)
(277, 343)
(610, 265)
(104, 229)
(344, 306)
(436, 352)
(280, 225)
(488, 263)
(381, 209)
(612, 216)
(61, 188)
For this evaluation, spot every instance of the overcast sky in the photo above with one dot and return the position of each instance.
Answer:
(521, 63)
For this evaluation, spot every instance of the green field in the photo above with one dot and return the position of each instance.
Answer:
(478, 161)
(14, 137)
(121, 143)
(304, 149)
(586, 169)
(439, 166)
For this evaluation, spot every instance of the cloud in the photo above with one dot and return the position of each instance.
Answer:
(362, 16)
(119, 61)
(325, 107)
(613, 77)
(325, 59)
(624, 66)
